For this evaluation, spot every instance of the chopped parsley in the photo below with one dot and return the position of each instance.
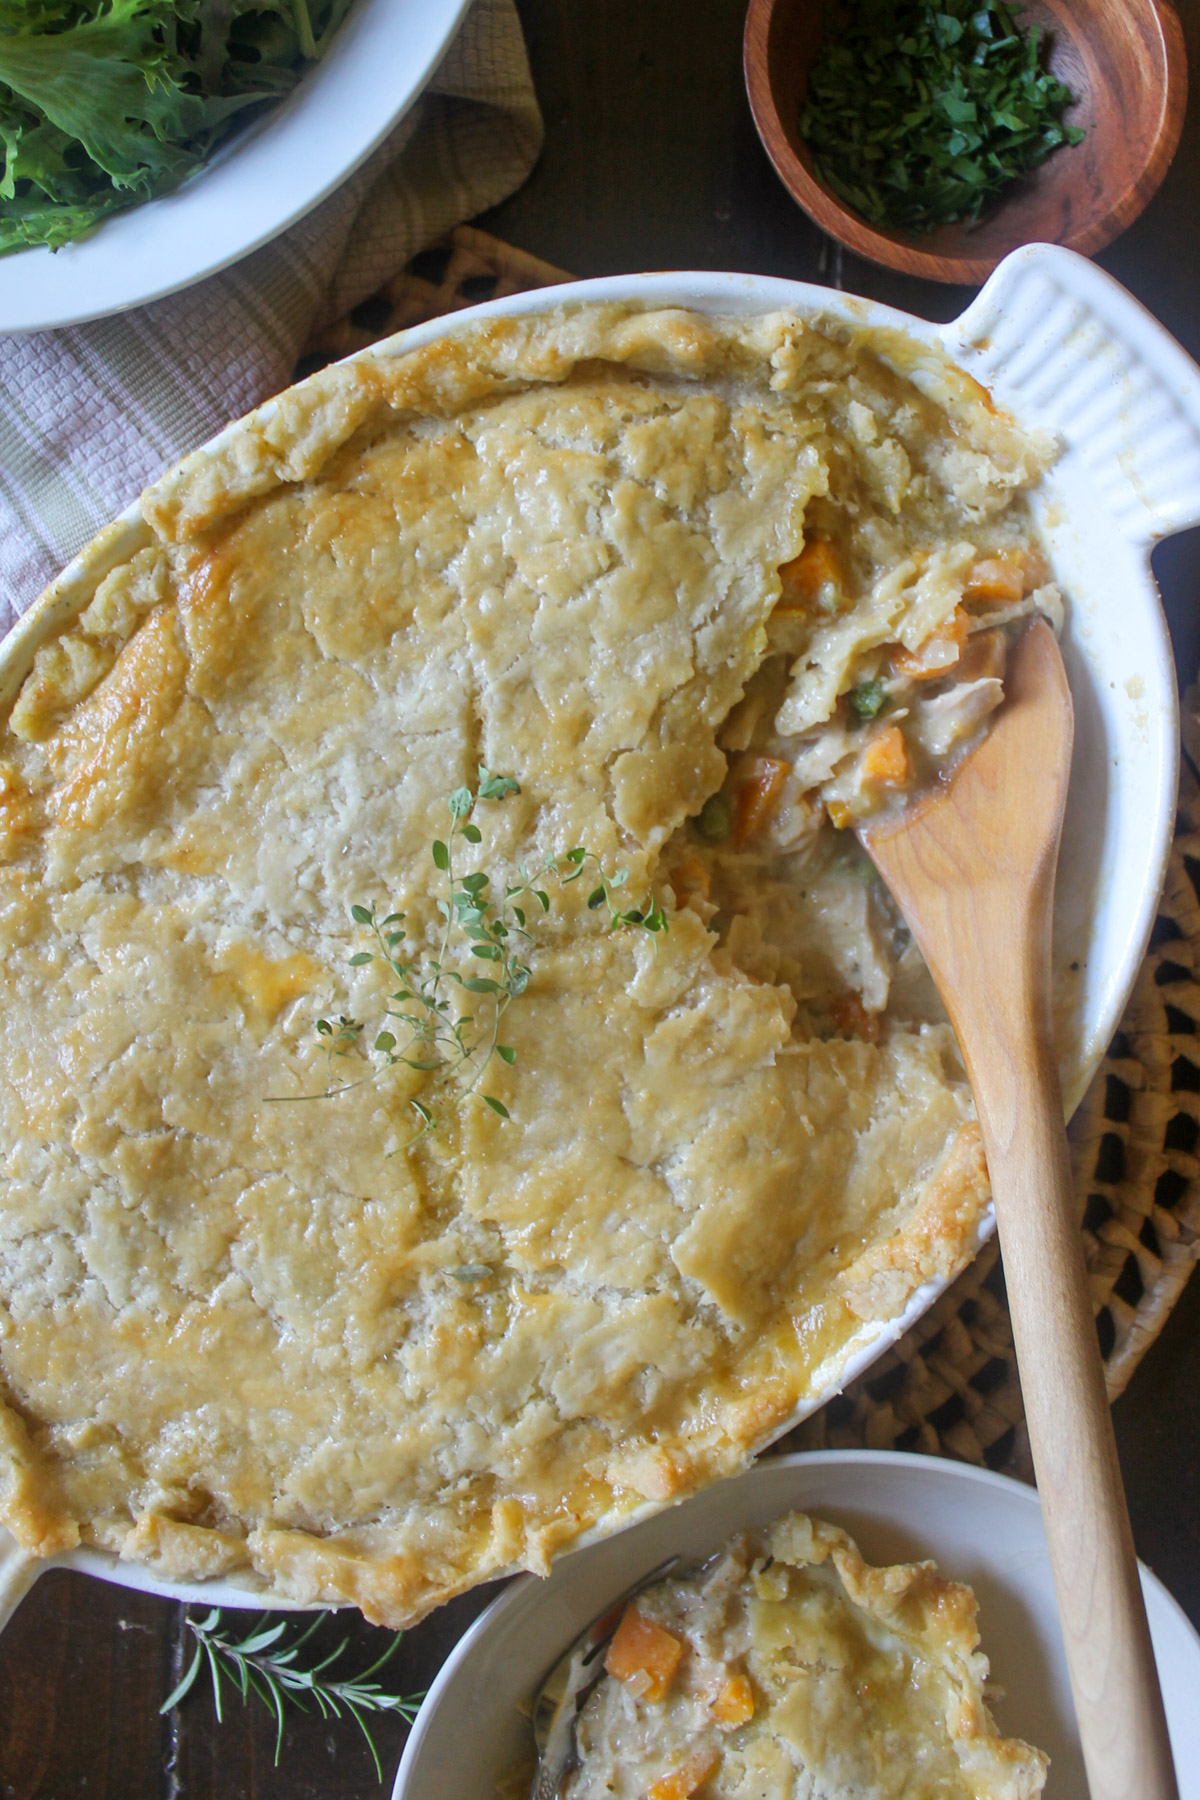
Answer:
(918, 114)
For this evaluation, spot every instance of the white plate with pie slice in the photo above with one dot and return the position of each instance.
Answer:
(264, 179)
(980, 1528)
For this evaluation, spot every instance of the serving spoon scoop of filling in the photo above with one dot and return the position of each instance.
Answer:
(971, 867)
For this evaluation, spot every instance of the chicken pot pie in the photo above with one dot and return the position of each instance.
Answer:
(703, 590)
(791, 1667)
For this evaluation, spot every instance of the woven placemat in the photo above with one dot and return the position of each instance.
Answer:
(950, 1387)
(461, 270)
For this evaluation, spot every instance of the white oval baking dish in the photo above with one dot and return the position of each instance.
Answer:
(1063, 346)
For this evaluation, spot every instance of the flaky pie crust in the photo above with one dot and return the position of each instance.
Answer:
(231, 1339)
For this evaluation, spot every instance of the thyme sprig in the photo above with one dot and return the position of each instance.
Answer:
(450, 1021)
(264, 1662)
(650, 917)
(442, 1038)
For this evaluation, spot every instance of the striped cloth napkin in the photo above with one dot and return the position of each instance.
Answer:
(90, 414)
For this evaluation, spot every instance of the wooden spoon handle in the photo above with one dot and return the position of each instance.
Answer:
(973, 873)
(1107, 1640)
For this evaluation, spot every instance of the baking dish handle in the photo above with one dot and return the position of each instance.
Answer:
(18, 1572)
(1064, 346)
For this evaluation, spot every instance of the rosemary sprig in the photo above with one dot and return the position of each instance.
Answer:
(440, 1036)
(263, 1663)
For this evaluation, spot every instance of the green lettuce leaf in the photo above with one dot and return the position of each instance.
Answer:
(104, 103)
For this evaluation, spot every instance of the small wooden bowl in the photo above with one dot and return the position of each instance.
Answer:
(1126, 65)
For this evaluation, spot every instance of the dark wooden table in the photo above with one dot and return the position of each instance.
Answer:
(650, 162)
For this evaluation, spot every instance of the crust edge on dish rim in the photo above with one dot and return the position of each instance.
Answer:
(1145, 485)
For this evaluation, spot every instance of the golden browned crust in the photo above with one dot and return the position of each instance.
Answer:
(231, 1333)
(934, 1239)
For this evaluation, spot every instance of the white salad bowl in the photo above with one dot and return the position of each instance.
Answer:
(268, 175)
(1063, 347)
(980, 1528)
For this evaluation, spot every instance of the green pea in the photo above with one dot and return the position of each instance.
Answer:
(714, 821)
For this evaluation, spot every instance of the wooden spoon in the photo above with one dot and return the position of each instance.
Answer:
(972, 870)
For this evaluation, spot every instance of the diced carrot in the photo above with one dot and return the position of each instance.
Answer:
(940, 651)
(734, 1705)
(999, 579)
(812, 582)
(690, 879)
(1004, 578)
(885, 758)
(685, 1780)
(642, 1649)
(839, 814)
(851, 1019)
(759, 783)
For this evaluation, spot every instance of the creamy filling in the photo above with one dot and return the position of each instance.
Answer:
(789, 1667)
(771, 863)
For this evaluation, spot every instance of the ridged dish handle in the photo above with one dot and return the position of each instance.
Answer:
(1065, 347)
(18, 1572)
